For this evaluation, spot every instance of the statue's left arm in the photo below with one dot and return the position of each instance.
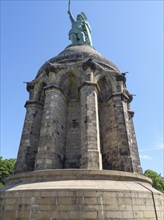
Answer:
(87, 31)
(88, 26)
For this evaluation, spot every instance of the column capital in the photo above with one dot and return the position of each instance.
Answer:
(33, 102)
(89, 64)
(121, 78)
(88, 83)
(125, 97)
(52, 86)
(131, 114)
(51, 68)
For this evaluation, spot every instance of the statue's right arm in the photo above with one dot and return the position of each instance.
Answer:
(71, 16)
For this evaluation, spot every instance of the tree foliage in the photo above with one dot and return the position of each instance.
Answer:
(157, 179)
(6, 169)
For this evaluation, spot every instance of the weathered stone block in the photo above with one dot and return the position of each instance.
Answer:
(66, 200)
(149, 214)
(91, 201)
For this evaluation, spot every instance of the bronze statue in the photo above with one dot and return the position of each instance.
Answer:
(80, 32)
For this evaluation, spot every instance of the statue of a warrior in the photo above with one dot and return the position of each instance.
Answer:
(80, 32)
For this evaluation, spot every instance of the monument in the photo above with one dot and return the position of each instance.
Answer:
(78, 156)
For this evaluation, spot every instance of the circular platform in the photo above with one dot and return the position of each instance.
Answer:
(74, 174)
(80, 194)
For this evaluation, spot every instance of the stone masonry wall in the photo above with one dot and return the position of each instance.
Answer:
(134, 148)
(73, 143)
(30, 137)
(80, 204)
(115, 145)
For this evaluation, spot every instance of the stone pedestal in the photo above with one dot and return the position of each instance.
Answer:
(80, 194)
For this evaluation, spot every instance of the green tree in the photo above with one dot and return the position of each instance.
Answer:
(157, 179)
(6, 169)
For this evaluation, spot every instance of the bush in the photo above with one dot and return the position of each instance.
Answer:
(158, 180)
(6, 169)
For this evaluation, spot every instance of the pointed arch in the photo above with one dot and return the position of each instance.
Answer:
(106, 88)
(39, 91)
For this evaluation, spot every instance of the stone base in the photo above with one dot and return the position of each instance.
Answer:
(80, 194)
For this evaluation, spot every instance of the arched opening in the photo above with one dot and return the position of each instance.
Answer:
(39, 91)
(73, 144)
(105, 89)
(105, 119)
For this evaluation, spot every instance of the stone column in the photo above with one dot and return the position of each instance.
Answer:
(30, 136)
(90, 140)
(134, 148)
(119, 147)
(51, 148)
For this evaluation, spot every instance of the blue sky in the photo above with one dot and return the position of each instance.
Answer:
(129, 33)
